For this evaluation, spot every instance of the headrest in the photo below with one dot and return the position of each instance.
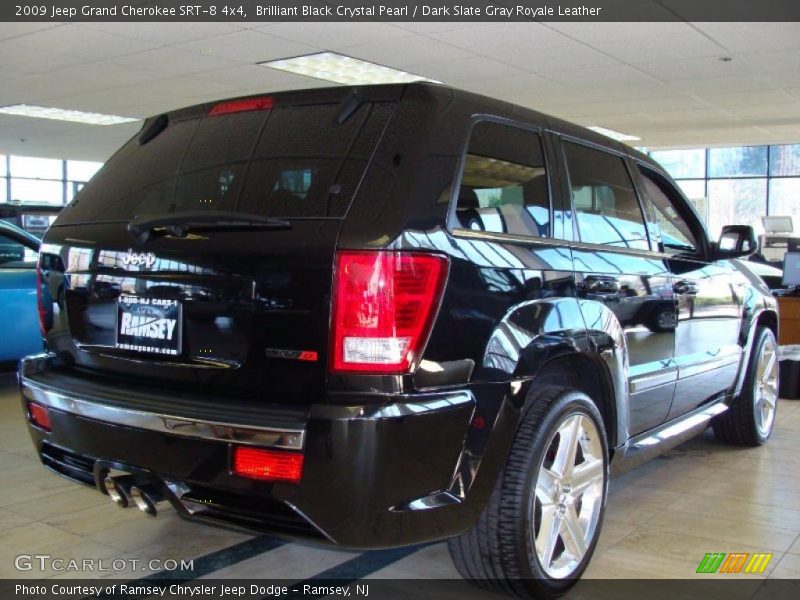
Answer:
(467, 198)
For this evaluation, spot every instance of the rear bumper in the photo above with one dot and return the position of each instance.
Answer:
(375, 474)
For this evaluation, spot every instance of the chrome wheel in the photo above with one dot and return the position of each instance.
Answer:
(666, 320)
(765, 394)
(568, 496)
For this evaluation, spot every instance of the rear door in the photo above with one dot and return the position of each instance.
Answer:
(616, 270)
(238, 305)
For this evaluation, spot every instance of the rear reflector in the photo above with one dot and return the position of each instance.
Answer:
(267, 465)
(39, 416)
(384, 306)
(244, 105)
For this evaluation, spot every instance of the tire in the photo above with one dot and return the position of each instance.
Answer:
(751, 416)
(662, 320)
(502, 553)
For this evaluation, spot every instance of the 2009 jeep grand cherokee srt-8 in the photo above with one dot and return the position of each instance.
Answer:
(385, 315)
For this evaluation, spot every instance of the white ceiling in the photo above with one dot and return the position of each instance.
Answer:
(663, 82)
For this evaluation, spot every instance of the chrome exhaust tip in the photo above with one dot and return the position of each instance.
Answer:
(118, 489)
(147, 499)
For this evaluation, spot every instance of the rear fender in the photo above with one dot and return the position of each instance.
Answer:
(530, 337)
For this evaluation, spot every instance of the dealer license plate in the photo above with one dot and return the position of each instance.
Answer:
(150, 325)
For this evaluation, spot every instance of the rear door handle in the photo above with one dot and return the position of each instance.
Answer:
(685, 287)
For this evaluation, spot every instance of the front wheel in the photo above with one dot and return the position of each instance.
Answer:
(536, 536)
(751, 416)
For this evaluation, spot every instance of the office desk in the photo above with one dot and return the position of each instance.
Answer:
(789, 324)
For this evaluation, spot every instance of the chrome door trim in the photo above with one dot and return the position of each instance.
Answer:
(698, 367)
(653, 380)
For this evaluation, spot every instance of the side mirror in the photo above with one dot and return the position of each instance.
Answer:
(736, 241)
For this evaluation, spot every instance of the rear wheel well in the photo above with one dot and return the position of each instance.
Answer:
(769, 319)
(588, 375)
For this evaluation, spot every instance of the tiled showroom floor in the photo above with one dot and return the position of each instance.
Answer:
(661, 519)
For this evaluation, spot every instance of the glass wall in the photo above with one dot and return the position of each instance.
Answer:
(738, 185)
(29, 180)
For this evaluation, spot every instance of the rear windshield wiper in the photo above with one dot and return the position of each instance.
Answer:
(178, 224)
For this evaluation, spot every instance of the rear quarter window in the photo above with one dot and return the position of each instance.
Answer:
(504, 187)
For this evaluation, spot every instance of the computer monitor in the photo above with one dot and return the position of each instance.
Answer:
(777, 224)
(791, 269)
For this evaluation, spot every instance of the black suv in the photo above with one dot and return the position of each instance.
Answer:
(391, 314)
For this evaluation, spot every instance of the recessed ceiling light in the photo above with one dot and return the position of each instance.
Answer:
(614, 135)
(342, 69)
(62, 114)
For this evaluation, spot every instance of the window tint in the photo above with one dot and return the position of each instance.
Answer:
(676, 235)
(504, 184)
(291, 161)
(14, 255)
(606, 206)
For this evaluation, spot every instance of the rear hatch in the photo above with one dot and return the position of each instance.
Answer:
(200, 257)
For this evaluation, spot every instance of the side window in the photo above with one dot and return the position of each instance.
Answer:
(504, 184)
(676, 235)
(14, 255)
(606, 206)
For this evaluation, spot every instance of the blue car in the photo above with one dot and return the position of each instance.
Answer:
(20, 334)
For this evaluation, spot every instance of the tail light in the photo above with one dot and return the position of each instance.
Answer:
(243, 105)
(39, 416)
(384, 304)
(267, 465)
(40, 300)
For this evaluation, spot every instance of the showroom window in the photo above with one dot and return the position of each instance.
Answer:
(737, 185)
(3, 178)
(33, 180)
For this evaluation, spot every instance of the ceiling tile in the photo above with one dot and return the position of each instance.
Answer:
(335, 36)
(255, 79)
(456, 72)
(10, 31)
(163, 34)
(32, 60)
(733, 84)
(607, 75)
(406, 52)
(82, 44)
(546, 60)
(767, 62)
(503, 38)
(516, 86)
(757, 37)
(764, 97)
(695, 68)
(171, 61)
(248, 47)
(643, 49)
(591, 32)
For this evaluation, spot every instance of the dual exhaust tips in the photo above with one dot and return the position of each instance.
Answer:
(124, 491)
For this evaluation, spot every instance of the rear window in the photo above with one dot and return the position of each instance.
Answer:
(290, 161)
